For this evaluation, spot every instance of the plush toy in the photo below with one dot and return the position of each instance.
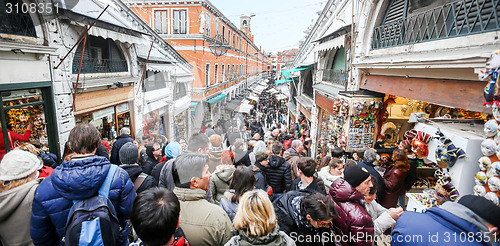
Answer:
(491, 90)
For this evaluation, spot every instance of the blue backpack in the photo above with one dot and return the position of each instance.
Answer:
(93, 221)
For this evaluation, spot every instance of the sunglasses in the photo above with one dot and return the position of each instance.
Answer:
(322, 224)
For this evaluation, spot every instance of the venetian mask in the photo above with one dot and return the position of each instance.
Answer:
(492, 196)
(479, 190)
(484, 163)
(490, 128)
(488, 147)
(494, 184)
(420, 148)
(496, 113)
(496, 167)
(480, 178)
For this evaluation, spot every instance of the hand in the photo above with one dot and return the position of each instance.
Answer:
(30, 125)
(395, 212)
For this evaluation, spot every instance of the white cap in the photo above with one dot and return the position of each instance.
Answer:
(18, 164)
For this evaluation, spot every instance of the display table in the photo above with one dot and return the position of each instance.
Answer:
(419, 202)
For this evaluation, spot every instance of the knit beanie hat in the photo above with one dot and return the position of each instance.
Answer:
(18, 164)
(483, 207)
(355, 175)
(129, 153)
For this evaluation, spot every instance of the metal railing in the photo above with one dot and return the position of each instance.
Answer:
(334, 76)
(458, 18)
(16, 23)
(100, 65)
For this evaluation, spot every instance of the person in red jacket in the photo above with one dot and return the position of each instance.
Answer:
(13, 137)
(394, 179)
(353, 225)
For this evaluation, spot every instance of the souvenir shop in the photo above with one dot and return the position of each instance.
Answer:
(25, 104)
(109, 120)
(153, 123)
(180, 125)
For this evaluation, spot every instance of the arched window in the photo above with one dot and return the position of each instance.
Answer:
(100, 56)
(14, 21)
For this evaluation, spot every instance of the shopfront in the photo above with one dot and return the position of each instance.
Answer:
(180, 125)
(24, 105)
(108, 110)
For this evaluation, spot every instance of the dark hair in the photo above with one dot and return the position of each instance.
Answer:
(67, 150)
(155, 213)
(318, 206)
(243, 181)
(84, 139)
(307, 166)
(197, 141)
(335, 162)
(186, 166)
(277, 148)
(374, 188)
(406, 147)
(337, 152)
(307, 142)
(324, 161)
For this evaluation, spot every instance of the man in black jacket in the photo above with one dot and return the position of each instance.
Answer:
(277, 172)
(120, 141)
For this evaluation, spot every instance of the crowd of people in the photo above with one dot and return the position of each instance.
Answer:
(244, 181)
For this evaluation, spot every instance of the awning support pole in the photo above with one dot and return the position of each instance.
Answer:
(79, 69)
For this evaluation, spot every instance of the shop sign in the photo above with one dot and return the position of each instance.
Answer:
(103, 113)
(121, 108)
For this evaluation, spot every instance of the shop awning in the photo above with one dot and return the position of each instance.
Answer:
(217, 98)
(253, 97)
(331, 44)
(233, 104)
(282, 81)
(281, 97)
(193, 107)
(156, 67)
(273, 91)
(287, 72)
(245, 107)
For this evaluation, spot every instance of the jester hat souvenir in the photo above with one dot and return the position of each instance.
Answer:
(409, 136)
(420, 144)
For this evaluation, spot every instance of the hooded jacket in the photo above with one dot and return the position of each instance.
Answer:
(203, 223)
(292, 157)
(115, 150)
(292, 221)
(450, 224)
(134, 170)
(220, 180)
(15, 214)
(214, 156)
(277, 174)
(77, 179)
(353, 219)
(275, 237)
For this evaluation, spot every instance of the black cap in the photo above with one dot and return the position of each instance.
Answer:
(355, 175)
(483, 207)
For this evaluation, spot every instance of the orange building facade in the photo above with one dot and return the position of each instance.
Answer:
(225, 60)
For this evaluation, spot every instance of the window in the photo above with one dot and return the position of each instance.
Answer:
(179, 90)
(207, 74)
(217, 25)
(223, 32)
(216, 71)
(228, 73)
(154, 81)
(234, 40)
(16, 22)
(308, 82)
(245, 23)
(180, 20)
(228, 37)
(161, 21)
(223, 73)
(100, 56)
(209, 24)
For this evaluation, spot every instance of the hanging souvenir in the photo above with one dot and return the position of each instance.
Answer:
(479, 190)
(491, 90)
(490, 128)
(488, 147)
(481, 178)
(420, 144)
(496, 168)
(446, 152)
(494, 184)
(484, 163)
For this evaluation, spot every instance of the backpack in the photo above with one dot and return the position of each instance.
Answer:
(138, 182)
(93, 221)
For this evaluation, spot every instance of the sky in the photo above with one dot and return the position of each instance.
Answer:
(278, 24)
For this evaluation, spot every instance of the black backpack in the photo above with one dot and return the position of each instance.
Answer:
(93, 221)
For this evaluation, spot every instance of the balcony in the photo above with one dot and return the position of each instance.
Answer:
(100, 66)
(455, 19)
(333, 76)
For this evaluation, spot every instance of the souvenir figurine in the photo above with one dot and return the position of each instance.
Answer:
(491, 89)
(490, 128)
(492, 196)
(481, 178)
(479, 190)
(484, 163)
(488, 147)
(494, 184)
(420, 144)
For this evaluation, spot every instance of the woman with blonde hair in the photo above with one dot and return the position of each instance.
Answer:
(255, 222)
